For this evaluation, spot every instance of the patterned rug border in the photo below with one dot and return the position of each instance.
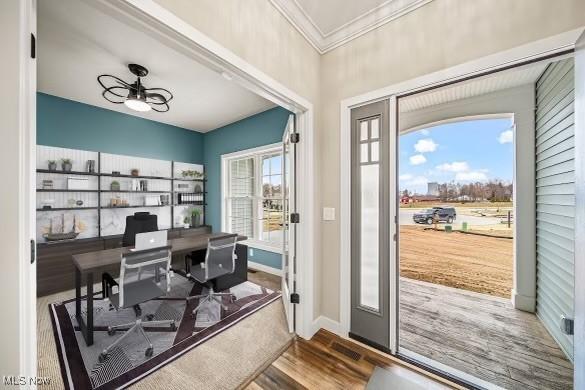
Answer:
(70, 355)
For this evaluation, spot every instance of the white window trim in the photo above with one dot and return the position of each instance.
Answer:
(225, 160)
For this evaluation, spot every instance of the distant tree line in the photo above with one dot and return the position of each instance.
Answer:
(493, 191)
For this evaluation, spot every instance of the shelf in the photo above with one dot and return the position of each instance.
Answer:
(192, 182)
(178, 179)
(68, 208)
(138, 192)
(136, 177)
(62, 190)
(133, 207)
(69, 173)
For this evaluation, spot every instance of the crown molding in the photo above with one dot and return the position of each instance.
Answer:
(324, 42)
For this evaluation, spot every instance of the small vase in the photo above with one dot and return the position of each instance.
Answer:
(52, 166)
(195, 221)
(66, 167)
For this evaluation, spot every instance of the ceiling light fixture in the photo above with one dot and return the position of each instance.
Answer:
(135, 96)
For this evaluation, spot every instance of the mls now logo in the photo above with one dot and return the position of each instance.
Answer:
(13, 380)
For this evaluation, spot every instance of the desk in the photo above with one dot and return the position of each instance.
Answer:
(91, 262)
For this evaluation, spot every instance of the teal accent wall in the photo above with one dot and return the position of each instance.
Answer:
(258, 130)
(263, 257)
(70, 124)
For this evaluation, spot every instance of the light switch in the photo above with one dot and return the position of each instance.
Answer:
(328, 214)
(251, 252)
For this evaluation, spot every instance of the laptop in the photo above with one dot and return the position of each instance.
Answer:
(150, 240)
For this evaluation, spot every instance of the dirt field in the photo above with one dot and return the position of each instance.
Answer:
(466, 261)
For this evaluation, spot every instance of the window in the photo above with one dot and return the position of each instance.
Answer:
(253, 197)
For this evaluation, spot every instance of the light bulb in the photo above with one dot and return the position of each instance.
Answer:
(137, 104)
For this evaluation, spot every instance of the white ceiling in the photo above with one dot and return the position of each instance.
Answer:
(475, 87)
(77, 42)
(327, 24)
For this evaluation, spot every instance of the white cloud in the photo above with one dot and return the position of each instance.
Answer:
(406, 176)
(471, 176)
(425, 132)
(425, 145)
(417, 159)
(455, 166)
(506, 137)
(418, 181)
(415, 183)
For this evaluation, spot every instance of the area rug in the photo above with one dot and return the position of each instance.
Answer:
(127, 363)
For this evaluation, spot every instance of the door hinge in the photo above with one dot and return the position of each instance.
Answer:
(295, 298)
(567, 325)
(33, 46)
(33, 251)
(295, 138)
(295, 218)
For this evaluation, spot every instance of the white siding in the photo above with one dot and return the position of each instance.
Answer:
(555, 198)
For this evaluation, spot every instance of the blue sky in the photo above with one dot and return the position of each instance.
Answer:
(463, 152)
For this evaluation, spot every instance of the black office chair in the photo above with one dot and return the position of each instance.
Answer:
(142, 222)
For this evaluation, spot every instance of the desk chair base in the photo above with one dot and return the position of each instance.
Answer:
(208, 298)
(138, 326)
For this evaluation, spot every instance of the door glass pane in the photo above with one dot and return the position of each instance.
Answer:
(364, 152)
(369, 256)
(374, 151)
(375, 128)
(271, 220)
(363, 130)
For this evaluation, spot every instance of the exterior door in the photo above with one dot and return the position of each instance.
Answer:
(289, 223)
(370, 235)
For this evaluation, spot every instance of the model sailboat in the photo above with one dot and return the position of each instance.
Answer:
(62, 235)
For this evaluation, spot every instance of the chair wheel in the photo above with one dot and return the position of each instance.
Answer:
(111, 332)
(102, 358)
(148, 352)
(173, 327)
(150, 317)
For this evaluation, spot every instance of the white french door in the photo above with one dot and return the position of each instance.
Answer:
(289, 222)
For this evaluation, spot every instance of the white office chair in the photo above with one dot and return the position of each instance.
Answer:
(220, 260)
(144, 275)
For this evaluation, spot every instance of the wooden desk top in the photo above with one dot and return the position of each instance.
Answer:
(90, 261)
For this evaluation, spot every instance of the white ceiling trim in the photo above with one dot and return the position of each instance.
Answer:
(324, 42)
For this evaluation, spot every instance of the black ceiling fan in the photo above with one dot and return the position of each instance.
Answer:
(135, 96)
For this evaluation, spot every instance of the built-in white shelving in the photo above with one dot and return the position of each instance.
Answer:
(113, 191)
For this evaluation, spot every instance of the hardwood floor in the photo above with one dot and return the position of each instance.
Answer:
(481, 335)
(330, 362)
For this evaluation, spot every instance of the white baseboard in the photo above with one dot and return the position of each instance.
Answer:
(264, 268)
(326, 323)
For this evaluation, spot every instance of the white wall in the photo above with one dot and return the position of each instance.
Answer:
(518, 102)
(16, 199)
(257, 32)
(441, 34)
